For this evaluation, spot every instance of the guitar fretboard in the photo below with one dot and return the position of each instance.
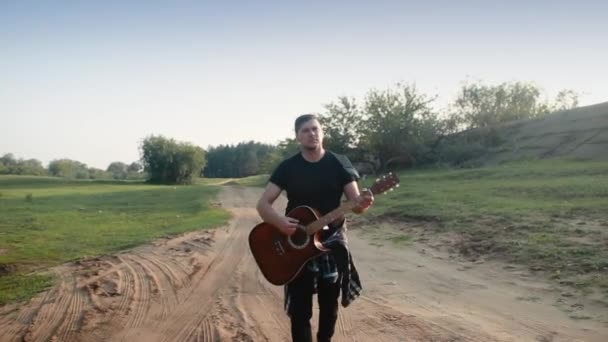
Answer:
(330, 217)
(380, 186)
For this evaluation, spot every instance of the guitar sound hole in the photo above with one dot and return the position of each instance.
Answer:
(299, 238)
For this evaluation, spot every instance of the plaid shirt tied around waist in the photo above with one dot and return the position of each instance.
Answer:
(336, 265)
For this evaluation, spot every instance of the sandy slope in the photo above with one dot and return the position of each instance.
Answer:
(204, 286)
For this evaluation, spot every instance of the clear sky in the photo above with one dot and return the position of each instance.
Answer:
(88, 80)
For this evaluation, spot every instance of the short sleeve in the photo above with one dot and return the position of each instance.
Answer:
(348, 173)
(279, 176)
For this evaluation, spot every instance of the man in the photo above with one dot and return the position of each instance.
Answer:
(316, 178)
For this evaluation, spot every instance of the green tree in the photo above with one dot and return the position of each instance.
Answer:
(219, 162)
(342, 125)
(399, 124)
(68, 168)
(168, 161)
(118, 170)
(31, 167)
(8, 163)
(248, 160)
(480, 105)
(284, 149)
(244, 159)
(134, 167)
(95, 173)
(565, 99)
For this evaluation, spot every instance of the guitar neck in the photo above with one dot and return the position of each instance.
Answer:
(383, 184)
(330, 217)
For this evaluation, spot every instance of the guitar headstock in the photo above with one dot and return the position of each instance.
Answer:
(385, 183)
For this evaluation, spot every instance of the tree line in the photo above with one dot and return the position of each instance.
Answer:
(68, 168)
(386, 129)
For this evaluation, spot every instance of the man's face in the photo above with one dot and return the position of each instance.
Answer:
(310, 135)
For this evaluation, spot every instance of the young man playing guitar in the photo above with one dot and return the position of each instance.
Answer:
(316, 178)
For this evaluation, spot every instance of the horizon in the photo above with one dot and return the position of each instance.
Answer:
(89, 81)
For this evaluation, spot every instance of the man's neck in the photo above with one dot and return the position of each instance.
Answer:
(313, 155)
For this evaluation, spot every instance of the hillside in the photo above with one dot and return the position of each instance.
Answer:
(581, 133)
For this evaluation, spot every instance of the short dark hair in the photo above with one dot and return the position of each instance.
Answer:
(302, 119)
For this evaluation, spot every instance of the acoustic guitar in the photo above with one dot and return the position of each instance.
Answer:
(281, 257)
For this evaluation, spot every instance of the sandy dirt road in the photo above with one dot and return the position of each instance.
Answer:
(205, 286)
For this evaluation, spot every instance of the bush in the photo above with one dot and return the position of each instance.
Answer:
(170, 162)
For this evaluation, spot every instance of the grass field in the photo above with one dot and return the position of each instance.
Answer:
(551, 215)
(48, 221)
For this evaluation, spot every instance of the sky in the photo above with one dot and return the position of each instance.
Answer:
(89, 80)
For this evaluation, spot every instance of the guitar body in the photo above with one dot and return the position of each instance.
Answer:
(281, 257)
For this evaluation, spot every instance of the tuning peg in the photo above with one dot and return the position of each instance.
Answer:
(396, 186)
(391, 189)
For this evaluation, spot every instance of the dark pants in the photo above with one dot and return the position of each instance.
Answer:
(300, 307)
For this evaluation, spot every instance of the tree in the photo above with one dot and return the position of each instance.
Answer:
(480, 105)
(118, 170)
(220, 162)
(8, 163)
(247, 159)
(399, 123)
(68, 168)
(244, 159)
(95, 173)
(285, 148)
(342, 125)
(31, 167)
(134, 167)
(168, 161)
(565, 99)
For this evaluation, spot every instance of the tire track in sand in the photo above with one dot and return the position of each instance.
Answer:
(74, 316)
(141, 296)
(158, 290)
(247, 308)
(188, 317)
(60, 316)
(24, 317)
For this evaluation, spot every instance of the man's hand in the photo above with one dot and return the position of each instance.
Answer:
(288, 225)
(364, 201)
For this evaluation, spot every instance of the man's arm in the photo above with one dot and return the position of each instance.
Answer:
(364, 200)
(287, 225)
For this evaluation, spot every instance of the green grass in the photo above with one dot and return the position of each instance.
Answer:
(550, 215)
(48, 221)
(22, 287)
(565, 189)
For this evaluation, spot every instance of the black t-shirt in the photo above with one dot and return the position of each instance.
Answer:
(315, 184)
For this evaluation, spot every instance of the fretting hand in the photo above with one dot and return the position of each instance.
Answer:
(364, 201)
